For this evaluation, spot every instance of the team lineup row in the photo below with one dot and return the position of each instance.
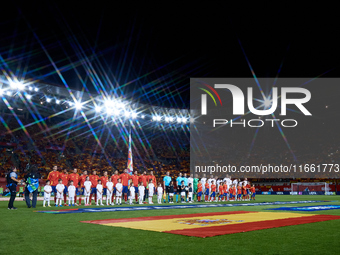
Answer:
(141, 187)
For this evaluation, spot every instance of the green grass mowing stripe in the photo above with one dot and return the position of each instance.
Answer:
(64, 234)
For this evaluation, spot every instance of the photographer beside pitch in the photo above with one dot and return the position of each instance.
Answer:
(12, 182)
(32, 182)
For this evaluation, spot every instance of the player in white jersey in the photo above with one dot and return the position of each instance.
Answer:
(203, 181)
(109, 191)
(99, 193)
(60, 192)
(235, 182)
(87, 191)
(191, 180)
(141, 190)
(159, 193)
(47, 193)
(151, 189)
(119, 190)
(132, 192)
(71, 193)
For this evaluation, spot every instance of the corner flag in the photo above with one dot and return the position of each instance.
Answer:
(130, 163)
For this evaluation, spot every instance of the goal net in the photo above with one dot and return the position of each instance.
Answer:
(309, 188)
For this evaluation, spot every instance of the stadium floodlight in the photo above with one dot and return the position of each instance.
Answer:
(143, 116)
(30, 88)
(8, 93)
(171, 119)
(154, 118)
(70, 103)
(120, 104)
(97, 108)
(134, 115)
(109, 103)
(127, 114)
(109, 111)
(267, 102)
(158, 118)
(1, 92)
(48, 100)
(78, 105)
(167, 119)
(57, 101)
(13, 84)
(179, 120)
(116, 111)
(29, 96)
(184, 120)
(36, 89)
(20, 86)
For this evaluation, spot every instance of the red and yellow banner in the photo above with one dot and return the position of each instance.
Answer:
(217, 223)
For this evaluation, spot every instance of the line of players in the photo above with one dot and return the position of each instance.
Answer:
(117, 186)
(211, 190)
(113, 187)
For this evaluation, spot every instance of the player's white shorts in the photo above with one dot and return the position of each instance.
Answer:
(190, 194)
(171, 194)
(118, 194)
(99, 195)
(141, 194)
(59, 195)
(109, 194)
(150, 193)
(87, 194)
(47, 197)
(132, 195)
(183, 193)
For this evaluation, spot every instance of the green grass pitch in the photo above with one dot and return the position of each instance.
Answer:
(24, 231)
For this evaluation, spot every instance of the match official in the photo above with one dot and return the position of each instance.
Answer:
(166, 183)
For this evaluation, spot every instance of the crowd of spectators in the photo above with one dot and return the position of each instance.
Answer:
(52, 142)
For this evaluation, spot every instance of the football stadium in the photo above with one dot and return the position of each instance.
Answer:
(126, 132)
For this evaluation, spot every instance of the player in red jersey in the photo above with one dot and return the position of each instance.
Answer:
(244, 191)
(225, 191)
(253, 192)
(104, 180)
(213, 191)
(94, 181)
(143, 178)
(125, 182)
(81, 185)
(199, 191)
(231, 193)
(53, 177)
(114, 179)
(75, 178)
(134, 178)
(64, 177)
(248, 190)
(207, 186)
(221, 193)
(239, 192)
(235, 192)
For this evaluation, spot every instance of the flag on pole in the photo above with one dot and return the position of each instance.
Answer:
(130, 163)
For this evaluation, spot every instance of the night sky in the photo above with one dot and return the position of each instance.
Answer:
(147, 53)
